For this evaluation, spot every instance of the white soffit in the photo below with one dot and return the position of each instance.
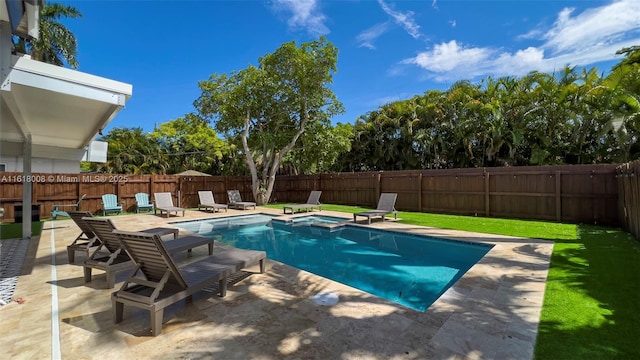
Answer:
(57, 106)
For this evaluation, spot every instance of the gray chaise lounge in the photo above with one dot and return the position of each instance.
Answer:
(111, 257)
(87, 241)
(159, 282)
(235, 200)
(386, 205)
(312, 202)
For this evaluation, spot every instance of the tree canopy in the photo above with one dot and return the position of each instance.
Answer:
(571, 117)
(56, 44)
(189, 143)
(267, 108)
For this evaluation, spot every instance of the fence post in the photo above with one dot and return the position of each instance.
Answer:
(487, 207)
(378, 176)
(420, 192)
(117, 190)
(79, 188)
(558, 175)
(179, 191)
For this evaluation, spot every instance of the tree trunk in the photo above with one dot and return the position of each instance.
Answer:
(262, 188)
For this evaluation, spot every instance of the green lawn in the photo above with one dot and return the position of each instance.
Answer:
(592, 301)
(14, 231)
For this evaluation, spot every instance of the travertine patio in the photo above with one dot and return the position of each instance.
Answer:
(491, 313)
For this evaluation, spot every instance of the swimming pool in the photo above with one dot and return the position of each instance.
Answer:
(408, 269)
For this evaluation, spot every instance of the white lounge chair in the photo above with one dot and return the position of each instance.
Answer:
(208, 202)
(164, 203)
(386, 205)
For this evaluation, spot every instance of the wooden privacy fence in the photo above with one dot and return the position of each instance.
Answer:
(65, 189)
(578, 193)
(629, 196)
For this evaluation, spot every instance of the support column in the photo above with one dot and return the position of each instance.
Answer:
(26, 187)
(5, 53)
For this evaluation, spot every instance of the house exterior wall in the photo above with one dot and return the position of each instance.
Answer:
(40, 165)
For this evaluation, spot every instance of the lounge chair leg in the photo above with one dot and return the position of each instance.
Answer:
(222, 285)
(71, 253)
(87, 274)
(210, 248)
(111, 279)
(156, 321)
(118, 311)
(262, 266)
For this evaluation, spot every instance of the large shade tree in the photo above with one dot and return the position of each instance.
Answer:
(318, 149)
(189, 143)
(56, 44)
(131, 151)
(268, 107)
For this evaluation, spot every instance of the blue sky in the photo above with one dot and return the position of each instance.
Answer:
(388, 50)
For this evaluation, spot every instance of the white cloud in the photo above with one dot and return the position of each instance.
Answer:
(367, 37)
(404, 19)
(453, 23)
(586, 38)
(593, 27)
(304, 14)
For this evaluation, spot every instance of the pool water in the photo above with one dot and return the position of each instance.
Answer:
(410, 270)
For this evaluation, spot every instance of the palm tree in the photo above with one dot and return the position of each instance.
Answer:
(56, 44)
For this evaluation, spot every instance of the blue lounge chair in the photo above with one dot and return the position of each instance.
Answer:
(110, 204)
(143, 203)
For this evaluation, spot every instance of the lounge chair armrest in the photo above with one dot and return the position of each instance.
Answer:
(65, 205)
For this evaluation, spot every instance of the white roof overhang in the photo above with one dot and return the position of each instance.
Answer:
(56, 106)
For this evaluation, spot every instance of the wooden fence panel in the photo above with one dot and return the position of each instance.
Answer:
(360, 189)
(295, 188)
(406, 184)
(590, 196)
(523, 194)
(459, 191)
(579, 193)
